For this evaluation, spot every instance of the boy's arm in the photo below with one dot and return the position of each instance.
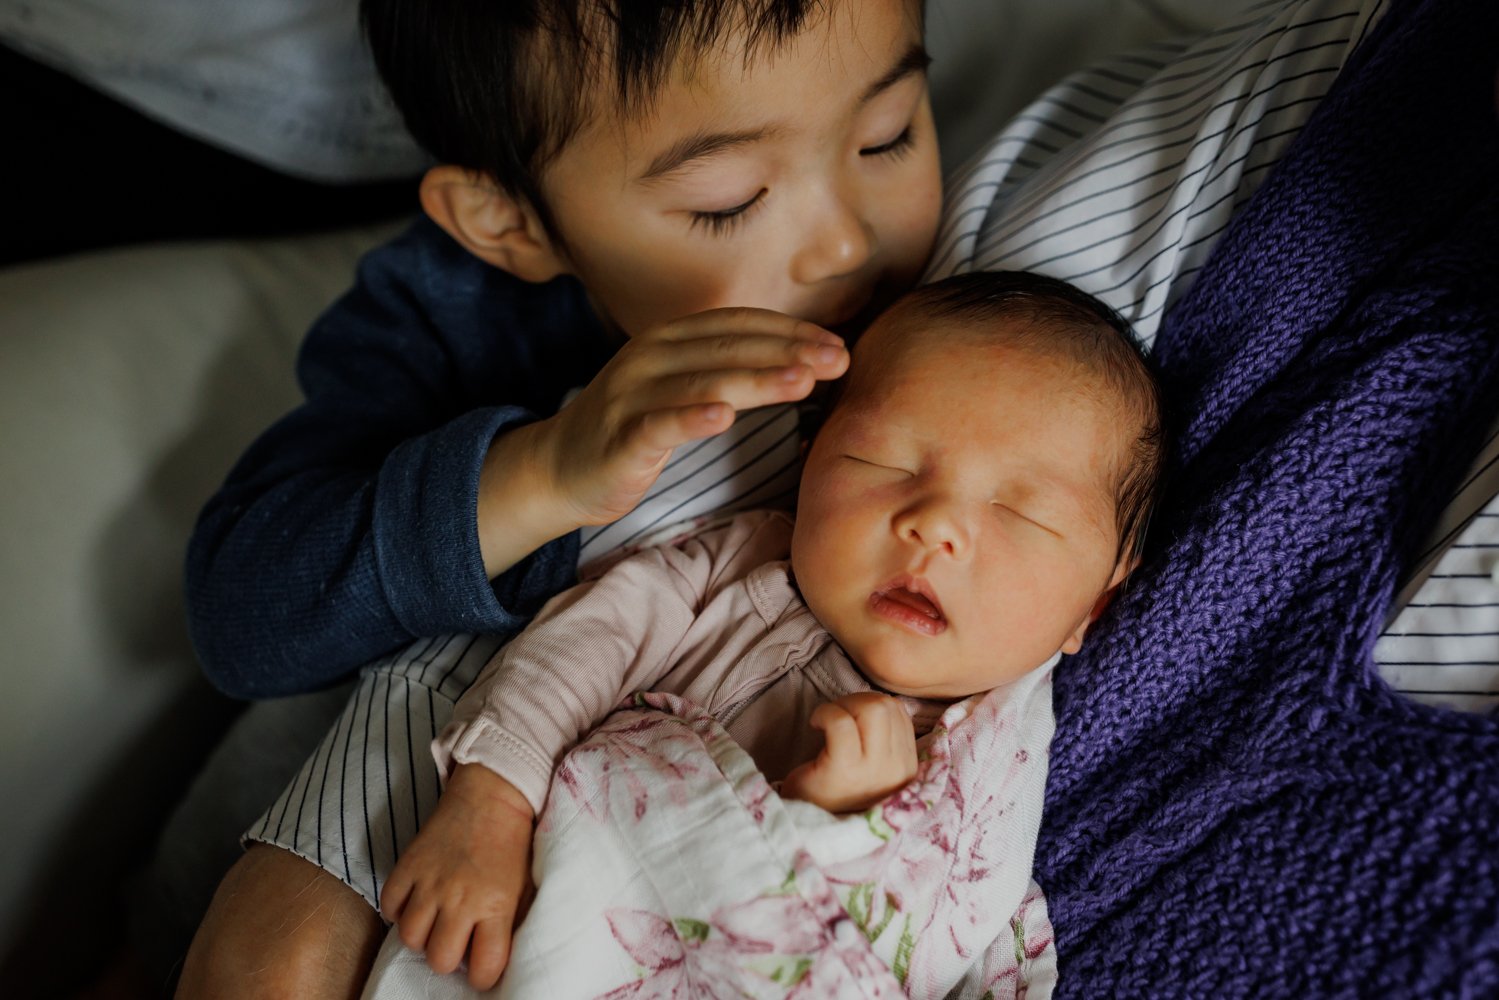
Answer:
(417, 470)
(349, 527)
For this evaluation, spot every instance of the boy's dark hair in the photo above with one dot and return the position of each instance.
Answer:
(1061, 317)
(501, 86)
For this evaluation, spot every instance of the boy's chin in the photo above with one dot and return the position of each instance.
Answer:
(851, 328)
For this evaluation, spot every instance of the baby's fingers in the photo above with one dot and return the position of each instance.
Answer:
(394, 896)
(489, 953)
(448, 942)
(414, 922)
(842, 742)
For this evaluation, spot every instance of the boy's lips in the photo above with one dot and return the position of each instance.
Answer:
(853, 317)
(910, 602)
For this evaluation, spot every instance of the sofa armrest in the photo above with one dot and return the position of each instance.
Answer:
(129, 382)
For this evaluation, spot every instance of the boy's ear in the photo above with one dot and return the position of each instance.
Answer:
(1074, 642)
(492, 224)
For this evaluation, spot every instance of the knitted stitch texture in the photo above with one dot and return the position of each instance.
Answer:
(1238, 805)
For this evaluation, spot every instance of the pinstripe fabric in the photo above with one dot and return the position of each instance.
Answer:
(1442, 646)
(1118, 179)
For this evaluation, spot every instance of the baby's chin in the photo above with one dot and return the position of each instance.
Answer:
(908, 680)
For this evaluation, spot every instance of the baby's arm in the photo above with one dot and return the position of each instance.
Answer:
(459, 888)
(869, 752)
(587, 650)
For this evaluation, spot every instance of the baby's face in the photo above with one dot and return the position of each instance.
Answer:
(807, 182)
(956, 522)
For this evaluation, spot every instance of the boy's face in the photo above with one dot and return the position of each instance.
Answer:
(806, 182)
(956, 524)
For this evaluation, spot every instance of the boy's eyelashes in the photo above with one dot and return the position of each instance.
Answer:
(895, 148)
(723, 221)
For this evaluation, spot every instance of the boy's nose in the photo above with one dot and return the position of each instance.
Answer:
(839, 242)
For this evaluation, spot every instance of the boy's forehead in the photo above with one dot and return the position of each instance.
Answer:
(725, 95)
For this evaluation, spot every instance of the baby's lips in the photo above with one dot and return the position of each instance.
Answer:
(915, 601)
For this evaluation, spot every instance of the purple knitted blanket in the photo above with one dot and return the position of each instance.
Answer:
(1238, 806)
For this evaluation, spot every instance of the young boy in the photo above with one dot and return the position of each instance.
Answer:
(972, 503)
(614, 178)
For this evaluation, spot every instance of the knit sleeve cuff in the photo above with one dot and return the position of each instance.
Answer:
(482, 742)
(427, 535)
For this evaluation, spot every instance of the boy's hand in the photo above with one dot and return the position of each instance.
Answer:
(458, 886)
(594, 461)
(870, 751)
(677, 383)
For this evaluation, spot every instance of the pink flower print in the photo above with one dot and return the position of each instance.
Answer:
(845, 964)
(897, 877)
(1009, 963)
(985, 837)
(774, 924)
(798, 943)
(757, 948)
(677, 966)
(629, 748)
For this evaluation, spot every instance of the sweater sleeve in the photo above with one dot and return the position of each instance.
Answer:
(350, 526)
(594, 645)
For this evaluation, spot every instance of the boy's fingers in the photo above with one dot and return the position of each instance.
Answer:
(662, 430)
(489, 952)
(743, 351)
(739, 321)
(743, 389)
(448, 942)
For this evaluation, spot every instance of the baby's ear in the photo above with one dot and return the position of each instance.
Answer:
(1125, 567)
(492, 224)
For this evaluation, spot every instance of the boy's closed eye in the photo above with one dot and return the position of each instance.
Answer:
(723, 221)
(894, 148)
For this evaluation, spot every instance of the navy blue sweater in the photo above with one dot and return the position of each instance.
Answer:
(349, 527)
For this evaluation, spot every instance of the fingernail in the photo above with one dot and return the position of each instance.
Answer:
(825, 355)
(792, 374)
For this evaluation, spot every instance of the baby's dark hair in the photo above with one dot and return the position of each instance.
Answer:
(501, 86)
(1061, 318)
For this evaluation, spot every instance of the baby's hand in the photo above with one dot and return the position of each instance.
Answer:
(458, 886)
(869, 752)
(673, 384)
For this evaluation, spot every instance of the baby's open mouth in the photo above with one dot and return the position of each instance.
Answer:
(910, 603)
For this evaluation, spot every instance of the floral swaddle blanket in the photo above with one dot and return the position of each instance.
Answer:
(667, 866)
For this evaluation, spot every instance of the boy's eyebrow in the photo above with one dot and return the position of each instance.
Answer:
(916, 60)
(704, 144)
(698, 145)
